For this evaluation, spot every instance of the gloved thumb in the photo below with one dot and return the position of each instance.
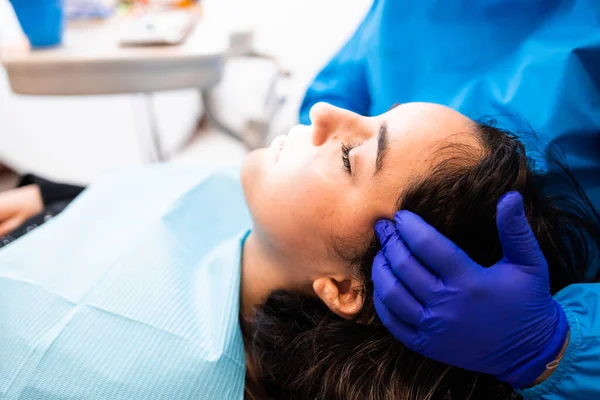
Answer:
(519, 244)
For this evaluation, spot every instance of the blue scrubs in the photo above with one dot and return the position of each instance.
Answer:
(531, 65)
(126, 297)
(577, 376)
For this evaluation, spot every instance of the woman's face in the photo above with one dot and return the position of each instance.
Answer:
(325, 185)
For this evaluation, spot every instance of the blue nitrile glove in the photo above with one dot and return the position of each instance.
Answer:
(432, 297)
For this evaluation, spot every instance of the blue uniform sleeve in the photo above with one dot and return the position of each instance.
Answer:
(577, 375)
(343, 81)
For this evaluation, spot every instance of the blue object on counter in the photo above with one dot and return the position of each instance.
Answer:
(42, 21)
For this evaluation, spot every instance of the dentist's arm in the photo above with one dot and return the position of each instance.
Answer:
(435, 299)
(343, 81)
(577, 374)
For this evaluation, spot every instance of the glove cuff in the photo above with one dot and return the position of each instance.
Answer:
(528, 372)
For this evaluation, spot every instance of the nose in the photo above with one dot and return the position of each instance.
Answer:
(326, 122)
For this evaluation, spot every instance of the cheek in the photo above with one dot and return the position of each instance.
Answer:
(291, 205)
(352, 225)
(300, 208)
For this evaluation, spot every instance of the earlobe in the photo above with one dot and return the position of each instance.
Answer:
(343, 296)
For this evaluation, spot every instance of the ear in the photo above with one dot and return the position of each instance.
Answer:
(343, 295)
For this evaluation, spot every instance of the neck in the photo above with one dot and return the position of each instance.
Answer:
(262, 273)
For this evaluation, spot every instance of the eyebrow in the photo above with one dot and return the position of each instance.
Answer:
(382, 146)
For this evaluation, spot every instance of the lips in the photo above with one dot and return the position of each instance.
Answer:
(277, 145)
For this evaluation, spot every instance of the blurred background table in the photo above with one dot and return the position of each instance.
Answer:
(90, 61)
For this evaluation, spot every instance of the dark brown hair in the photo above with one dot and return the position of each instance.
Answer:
(299, 349)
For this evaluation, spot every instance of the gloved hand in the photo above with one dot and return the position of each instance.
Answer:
(433, 298)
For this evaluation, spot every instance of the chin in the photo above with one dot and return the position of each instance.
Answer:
(253, 170)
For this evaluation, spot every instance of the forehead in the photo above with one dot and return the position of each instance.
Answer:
(417, 131)
(426, 121)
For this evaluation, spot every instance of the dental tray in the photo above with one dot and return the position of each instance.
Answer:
(165, 27)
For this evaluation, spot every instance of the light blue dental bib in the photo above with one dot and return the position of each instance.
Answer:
(132, 293)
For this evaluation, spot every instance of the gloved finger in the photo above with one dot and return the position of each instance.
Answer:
(402, 331)
(519, 244)
(384, 230)
(439, 254)
(415, 277)
(393, 294)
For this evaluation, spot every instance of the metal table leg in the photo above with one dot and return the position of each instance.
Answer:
(155, 143)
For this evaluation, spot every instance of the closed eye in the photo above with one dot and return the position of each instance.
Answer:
(346, 147)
